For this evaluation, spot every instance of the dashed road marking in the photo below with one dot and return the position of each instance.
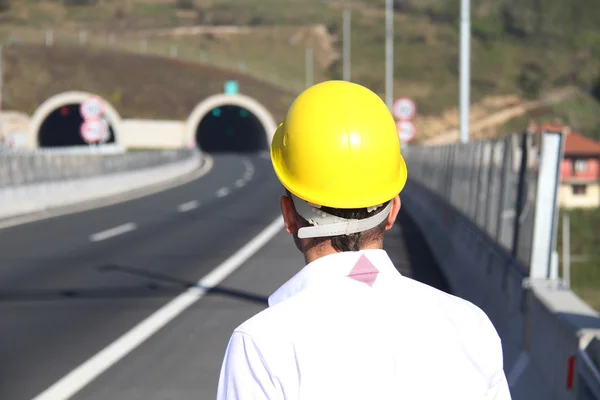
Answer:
(85, 373)
(190, 205)
(240, 183)
(222, 192)
(112, 232)
(249, 170)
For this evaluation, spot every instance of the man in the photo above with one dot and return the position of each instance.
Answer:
(349, 325)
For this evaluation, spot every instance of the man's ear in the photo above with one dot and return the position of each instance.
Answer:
(289, 215)
(396, 204)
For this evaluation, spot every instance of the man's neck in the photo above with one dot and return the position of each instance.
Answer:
(314, 253)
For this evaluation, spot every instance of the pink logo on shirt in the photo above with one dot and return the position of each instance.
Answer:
(364, 271)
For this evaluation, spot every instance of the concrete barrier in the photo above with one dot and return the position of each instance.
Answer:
(488, 211)
(37, 197)
(541, 326)
(154, 134)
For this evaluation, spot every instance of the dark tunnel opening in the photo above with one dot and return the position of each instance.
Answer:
(231, 129)
(62, 127)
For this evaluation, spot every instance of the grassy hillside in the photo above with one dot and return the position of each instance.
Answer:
(519, 47)
(520, 50)
(581, 112)
(138, 86)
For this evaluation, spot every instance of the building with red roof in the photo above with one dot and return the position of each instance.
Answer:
(580, 168)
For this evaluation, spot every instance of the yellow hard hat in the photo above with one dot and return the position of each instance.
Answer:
(338, 147)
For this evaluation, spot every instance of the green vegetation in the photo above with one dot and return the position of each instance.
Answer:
(585, 253)
(581, 113)
(138, 86)
(519, 46)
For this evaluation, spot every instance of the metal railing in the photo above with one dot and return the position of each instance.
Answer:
(492, 183)
(588, 377)
(19, 168)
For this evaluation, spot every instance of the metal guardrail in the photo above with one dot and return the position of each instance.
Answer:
(29, 167)
(493, 183)
(589, 377)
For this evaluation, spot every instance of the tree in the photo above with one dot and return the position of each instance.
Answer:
(79, 3)
(539, 17)
(402, 5)
(185, 4)
(596, 89)
(531, 79)
(4, 5)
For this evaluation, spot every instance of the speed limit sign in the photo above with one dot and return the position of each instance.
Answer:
(93, 131)
(404, 109)
(406, 131)
(91, 108)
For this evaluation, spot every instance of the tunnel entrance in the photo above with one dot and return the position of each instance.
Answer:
(62, 127)
(231, 129)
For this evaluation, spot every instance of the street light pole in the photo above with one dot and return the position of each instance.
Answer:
(346, 73)
(389, 53)
(465, 64)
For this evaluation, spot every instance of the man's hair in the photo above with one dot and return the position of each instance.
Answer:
(354, 241)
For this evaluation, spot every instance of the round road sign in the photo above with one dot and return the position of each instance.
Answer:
(406, 131)
(404, 109)
(93, 131)
(91, 108)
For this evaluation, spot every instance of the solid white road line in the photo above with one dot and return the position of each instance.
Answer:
(240, 183)
(517, 369)
(190, 205)
(222, 192)
(100, 362)
(117, 230)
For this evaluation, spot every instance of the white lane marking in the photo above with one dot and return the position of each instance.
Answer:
(240, 183)
(190, 205)
(117, 230)
(517, 369)
(78, 378)
(249, 170)
(222, 192)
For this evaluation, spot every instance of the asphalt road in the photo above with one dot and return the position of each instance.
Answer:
(71, 285)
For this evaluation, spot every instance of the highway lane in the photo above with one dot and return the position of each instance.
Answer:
(71, 285)
(182, 361)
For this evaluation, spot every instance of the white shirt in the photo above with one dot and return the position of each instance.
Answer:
(350, 326)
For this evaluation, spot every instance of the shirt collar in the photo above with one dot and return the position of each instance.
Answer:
(331, 267)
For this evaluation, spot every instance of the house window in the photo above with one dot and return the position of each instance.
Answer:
(580, 165)
(579, 189)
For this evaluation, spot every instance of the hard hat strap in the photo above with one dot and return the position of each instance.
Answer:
(325, 224)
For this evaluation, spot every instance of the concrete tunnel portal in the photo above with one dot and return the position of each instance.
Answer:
(57, 122)
(231, 124)
(62, 127)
